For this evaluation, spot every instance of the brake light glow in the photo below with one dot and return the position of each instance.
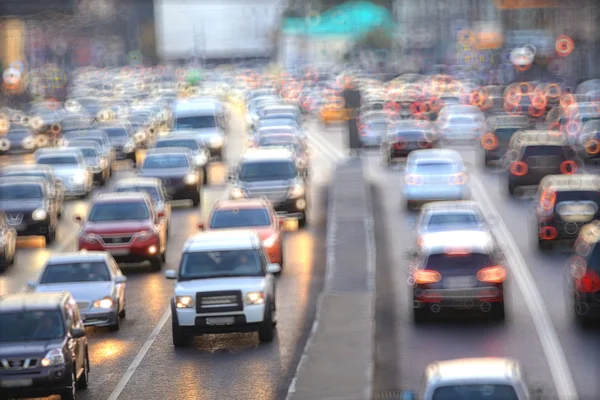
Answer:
(589, 282)
(548, 233)
(457, 251)
(548, 199)
(489, 141)
(400, 144)
(459, 179)
(495, 274)
(423, 277)
(568, 167)
(519, 168)
(413, 180)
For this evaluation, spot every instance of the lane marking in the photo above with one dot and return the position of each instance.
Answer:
(555, 356)
(140, 356)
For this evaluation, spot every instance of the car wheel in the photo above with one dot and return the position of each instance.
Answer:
(83, 381)
(180, 339)
(420, 315)
(163, 256)
(50, 235)
(156, 264)
(498, 312)
(205, 175)
(196, 200)
(123, 313)
(302, 221)
(511, 189)
(116, 326)
(266, 332)
(70, 393)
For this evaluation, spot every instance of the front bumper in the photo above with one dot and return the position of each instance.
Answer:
(99, 317)
(182, 191)
(32, 228)
(133, 252)
(37, 382)
(248, 321)
(291, 208)
(76, 188)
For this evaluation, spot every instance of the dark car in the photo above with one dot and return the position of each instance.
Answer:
(43, 346)
(583, 274)
(122, 139)
(499, 132)
(403, 137)
(564, 204)
(177, 169)
(29, 207)
(95, 135)
(199, 150)
(18, 140)
(273, 174)
(291, 142)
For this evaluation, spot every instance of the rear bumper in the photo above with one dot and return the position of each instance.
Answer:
(44, 382)
(422, 193)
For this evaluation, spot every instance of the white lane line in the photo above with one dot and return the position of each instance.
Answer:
(324, 143)
(140, 356)
(555, 356)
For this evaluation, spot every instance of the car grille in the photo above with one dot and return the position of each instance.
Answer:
(14, 218)
(273, 195)
(116, 240)
(18, 363)
(214, 302)
(83, 305)
(172, 181)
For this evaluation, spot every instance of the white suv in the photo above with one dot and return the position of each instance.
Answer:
(225, 284)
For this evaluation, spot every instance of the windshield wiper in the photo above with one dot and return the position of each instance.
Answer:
(191, 278)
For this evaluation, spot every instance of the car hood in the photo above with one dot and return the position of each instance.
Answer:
(24, 349)
(116, 227)
(81, 291)
(165, 172)
(20, 204)
(245, 284)
(63, 172)
(267, 184)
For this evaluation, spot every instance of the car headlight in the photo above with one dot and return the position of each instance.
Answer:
(106, 303)
(89, 237)
(297, 191)
(79, 177)
(145, 235)
(237, 193)
(255, 298)
(270, 241)
(52, 358)
(190, 179)
(216, 141)
(39, 215)
(184, 302)
(201, 159)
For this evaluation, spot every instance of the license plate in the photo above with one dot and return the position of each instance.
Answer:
(13, 383)
(220, 321)
(119, 252)
(459, 282)
(290, 224)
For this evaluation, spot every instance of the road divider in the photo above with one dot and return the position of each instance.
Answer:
(337, 362)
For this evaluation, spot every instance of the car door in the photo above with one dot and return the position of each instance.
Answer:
(76, 346)
(120, 287)
(9, 235)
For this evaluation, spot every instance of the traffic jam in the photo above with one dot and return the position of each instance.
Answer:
(542, 139)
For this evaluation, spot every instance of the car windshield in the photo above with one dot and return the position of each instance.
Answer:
(544, 151)
(278, 141)
(189, 144)
(36, 174)
(88, 152)
(475, 392)
(378, 125)
(577, 204)
(119, 211)
(268, 171)
(462, 120)
(20, 191)
(435, 167)
(81, 140)
(505, 133)
(29, 326)
(151, 190)
(166, 161)
(196, 122)
(441, 262)
(240, 218)
(198, 265)
(116, 133)
(450, 221)
(416, 134)
(58, 160)
(277, 122)
(75, 272)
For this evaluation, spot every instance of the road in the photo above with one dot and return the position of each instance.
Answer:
(140, 361)
(403, 349)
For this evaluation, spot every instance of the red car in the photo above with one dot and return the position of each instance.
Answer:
(127, 226)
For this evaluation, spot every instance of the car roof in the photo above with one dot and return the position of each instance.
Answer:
(193, 107)
(538, 138)
(77, 256)
(137, 181)
(168, 150)
(179, 137)
(267, 154)
(222, 240)
(32, 301)
(434, 154)
(115, 197)
(23, 180)
(571, 182)
(240, 204)
(473, 369)
(27, 167)
(473, 241)
(53, 151)
(451, 206)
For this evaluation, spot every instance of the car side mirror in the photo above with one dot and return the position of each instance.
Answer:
(273, 268)
(77, 333)
(160, 214)
(78, 218)
(408, 395)
(120, 279)
(31, 285)
(201, 226)
(170, 274)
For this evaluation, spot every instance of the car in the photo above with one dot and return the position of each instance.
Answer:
(372, 128)
(443, 216)
(127, 226)
(256, 214)
(177, 169)
(403, 137)
(534, 154)
(492, 378)
(287, 120)
(94, 159)
(588, 142)
(200, 152)
(576, 116)
(8, 243)
(43, 346)
(92, 135)
(274, 175)
(17, 140)
(204, 119)
(433, 175)
(225, 284)
(69, 167)
(457, 270)
(291, 142)
(155, 189)
(563, 205)
(122, 139)
(29, 207)
(499, 133)
(93, 278)
(461, 127)
(583, 275)
(57, 188)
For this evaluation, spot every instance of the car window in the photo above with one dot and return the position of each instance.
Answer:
(58, 160)
(268, 171)
(27, 326)
(88, 152)
(240, 218)
(151, 190)
(76, 272)
(114, 133)
(410, 134)
(198, 265)
(441, 262)
(196, 122)
(190, 144)
(461, 120)
(475, 392)
(119, 211)
(578, 203)
(593, 258)
(544, 151)
(21, 191)
(435, 167)
(505, 133)
(166, 161)
(452, 220)
(278, 141)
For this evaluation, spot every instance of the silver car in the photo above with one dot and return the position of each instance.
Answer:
(443, 216)
(69, 167)
(475, 378)
(433, 175)
(95, 281)
(461, 127)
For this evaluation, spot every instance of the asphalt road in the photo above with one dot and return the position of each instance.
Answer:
(538, 331)
(140, 362)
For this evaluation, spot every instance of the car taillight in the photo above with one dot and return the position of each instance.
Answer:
(413, 180)
(424, 144)
(568, 167)
(423, 277)
(489, 141)
(400, 144)
(589, 282)
(548, 233)
(459, 179)
(592, 147)
(519, 168)
(495, 274)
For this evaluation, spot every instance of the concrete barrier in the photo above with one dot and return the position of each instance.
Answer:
(337, 362)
